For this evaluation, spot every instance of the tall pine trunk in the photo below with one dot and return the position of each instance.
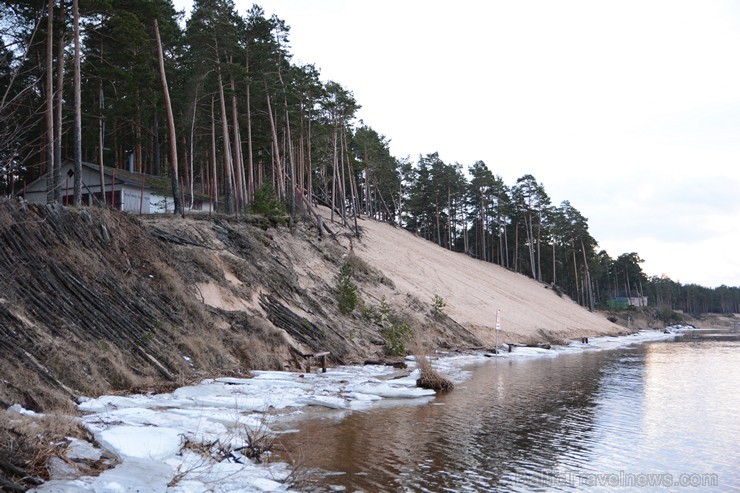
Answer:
(466, 247)
(515, 253)
(436, 219)
(101, 141)
(52, 186)
(352, 188)
(277, 172)
(59, 96)
(309, 165)
(138, 153)
(482, 246)
(530, 244)
(78, 107)
(575, 271)
(101, 131)
(539, 249)
(342, 179)
(450, 233)
(250, 158)
(191, 162)
(335, 165)
(237, 154)
(588, 278)
(157, 158)
(214, 174)
(170, 123)
(228, 158)
(291, 157)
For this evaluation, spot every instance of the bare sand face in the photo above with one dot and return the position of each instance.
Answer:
(474, 290)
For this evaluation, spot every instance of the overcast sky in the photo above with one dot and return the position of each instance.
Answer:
(628, 109)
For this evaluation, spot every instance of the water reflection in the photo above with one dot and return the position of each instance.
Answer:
(544, 424)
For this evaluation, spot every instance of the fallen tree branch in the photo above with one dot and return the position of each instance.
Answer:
(13, 470)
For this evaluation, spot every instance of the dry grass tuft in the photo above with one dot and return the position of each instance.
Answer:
(249, 344)
(26, 387)
(259, 345)
(28, 442)
(207, 349)
(429, 378)
(255, 354)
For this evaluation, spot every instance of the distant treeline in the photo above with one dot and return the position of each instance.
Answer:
(253, 128)
(692, 298)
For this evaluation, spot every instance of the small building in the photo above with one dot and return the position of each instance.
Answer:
(124, 190)
(622, 300)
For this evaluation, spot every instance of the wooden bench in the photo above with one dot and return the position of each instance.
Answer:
(310, 356)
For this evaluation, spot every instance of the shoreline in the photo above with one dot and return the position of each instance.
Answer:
(161, 440)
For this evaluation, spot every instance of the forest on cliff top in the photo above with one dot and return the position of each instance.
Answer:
(249, 128)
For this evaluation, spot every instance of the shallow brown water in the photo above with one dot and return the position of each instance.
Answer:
(596, 420)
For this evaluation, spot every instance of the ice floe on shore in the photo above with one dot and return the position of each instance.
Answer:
(199, 437)
(193, 439)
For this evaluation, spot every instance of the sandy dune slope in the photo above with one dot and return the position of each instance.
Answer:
(474, 290)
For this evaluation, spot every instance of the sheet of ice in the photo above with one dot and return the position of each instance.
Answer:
(142, 442)
(132, 475)
(360, 397)
(215, 420)
(388, 391)
(112, 402)
(147, 432)
(79, 450)
(330, 401)
(407, 381)
(141, 475)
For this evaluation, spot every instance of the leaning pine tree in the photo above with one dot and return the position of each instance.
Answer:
(170, 123)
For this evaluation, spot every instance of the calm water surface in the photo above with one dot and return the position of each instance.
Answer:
(659, 416)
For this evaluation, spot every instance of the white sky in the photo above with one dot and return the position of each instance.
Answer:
(629, 109)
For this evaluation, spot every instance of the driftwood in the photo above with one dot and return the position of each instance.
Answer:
(395, 364)
(13, 471)
(180, 239)
(10, 486)
(327, 205)
(320, 223)
(303, 331)
(384, 204)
